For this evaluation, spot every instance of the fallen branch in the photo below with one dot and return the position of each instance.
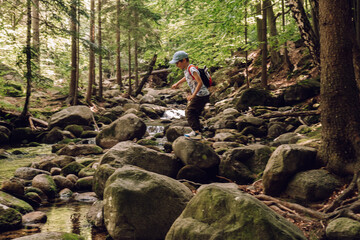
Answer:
(289, 114)
(147, 75)
(155, 72)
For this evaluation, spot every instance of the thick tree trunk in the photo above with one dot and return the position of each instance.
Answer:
(28, 62)
(74, 65)
(100, 53)
(92, 54)
(118, 47)
(275, 57)
(340, 103)
(36, 35)
(307, 33)
(264, 51)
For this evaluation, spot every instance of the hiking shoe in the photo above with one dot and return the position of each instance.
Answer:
(193, 135)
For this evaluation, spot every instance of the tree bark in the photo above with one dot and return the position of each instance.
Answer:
(73, 29)
(275, 57)
(129, 52)
(100, 52)
(315, 16)
(287, 61)
(259, 23)
(36, 35)
(264, 51)
(136, 65)
(118, 47)
(340, 103)
(28, 62)
(92, 53)
(246, 41)
(307, 33)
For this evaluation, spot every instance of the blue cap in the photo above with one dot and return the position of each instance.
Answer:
(178, 56)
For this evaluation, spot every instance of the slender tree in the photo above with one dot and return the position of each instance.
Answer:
(28, 62)
(91, 81)
(136, 62)
(275, 57)
(129, 48)
(340, 120)
(246, 42)
(264, 45)
(287, 61)
(118, 46)
(74, 50)
(100, 52)
(36, 35)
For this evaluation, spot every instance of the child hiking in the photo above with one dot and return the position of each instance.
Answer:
(199, 93)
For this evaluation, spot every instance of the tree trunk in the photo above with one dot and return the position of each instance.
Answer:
(129, 52)
(287, 61)
(36, 35)
(118, 47)
(246, 41)
(315, 16)
(28, 62)
(264, 46)
(259, 23)
(147, 75)
(275, 57)
(307, 33)
(136, 65)
(100, 52)
(340, 103)
(92, 53)
(77, 54)
(73, 30)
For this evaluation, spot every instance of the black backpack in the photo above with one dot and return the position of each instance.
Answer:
(204, 75)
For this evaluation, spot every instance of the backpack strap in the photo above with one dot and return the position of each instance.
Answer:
(190, 72)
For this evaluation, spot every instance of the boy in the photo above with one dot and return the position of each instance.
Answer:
(199, 93)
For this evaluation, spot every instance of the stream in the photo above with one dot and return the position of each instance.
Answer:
(63, 216)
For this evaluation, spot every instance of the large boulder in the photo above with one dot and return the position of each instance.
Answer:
(222, 211)
(103, 172)
(80, 149)
(243, 164)
(9, 218)
(142, 205)
(46, 184)
(192, 152)
(343, 229)
(253, 97)
(28, 173)
(284, 163)
(301, 91)
(313, 185)
(125, 128)
(80, 115)
(15, 203)
(130, 153)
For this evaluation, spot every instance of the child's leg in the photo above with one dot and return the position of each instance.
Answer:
(194, 110)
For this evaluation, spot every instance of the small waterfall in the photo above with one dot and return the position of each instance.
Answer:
(173, 113)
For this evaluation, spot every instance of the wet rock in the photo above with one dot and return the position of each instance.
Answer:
(313, 185)
(132, 193)
(80, 115)
(34, 217)
(33, 199)
(276, 129)
(55, 135)
(72, 168)
(28, 173)
(173, 132)
(46, 184)
(125, 128)
(86, 172)
(72, 177)
(9, 218)
(222, 211)
(134, 154)
(95, 215)
(65, 193)
(284, 163)
(89, 134)
(47, 165)
(15, 203)
(89, 197)
(62, 161)
(52, 236)
(62, 182)
(344, 229)
(80, 149)
(192, 152)
(75, 129)
(194, 174)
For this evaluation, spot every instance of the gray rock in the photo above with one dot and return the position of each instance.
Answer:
(34, 217)
(287, 138)
(28, 173)
(95, 215)
(47, 165)
(132, 153)
(343, 229)
(173, 132)
(284, 163)
(80, 115)
(14, 187)
(84, 184)
(192, 152)
(222, 211)
(313, 185)
(46, 184)
(142, 204)
(103, 172)
(125, 128)
(62, 161)
(276, 129)
(301, 91)
(72, 168)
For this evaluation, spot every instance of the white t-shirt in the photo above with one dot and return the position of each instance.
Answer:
(193, 83)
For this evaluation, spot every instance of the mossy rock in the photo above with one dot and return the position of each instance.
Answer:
(10, 89)
(75, 129)
(87, 172)
(104, 120)
(147, 142)
(72, 168)
(89, 134)
(13, 202)
(9, 219)
(52, 236)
